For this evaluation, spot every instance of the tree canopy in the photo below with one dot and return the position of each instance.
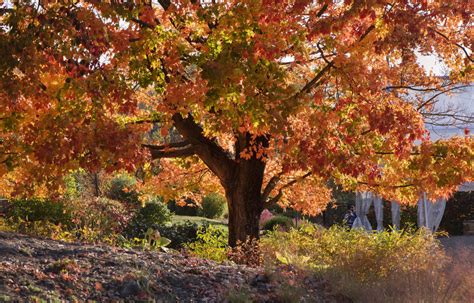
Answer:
(273, 96)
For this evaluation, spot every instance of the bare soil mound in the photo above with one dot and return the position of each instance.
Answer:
(33, 269)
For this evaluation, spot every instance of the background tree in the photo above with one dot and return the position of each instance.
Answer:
(272, 97)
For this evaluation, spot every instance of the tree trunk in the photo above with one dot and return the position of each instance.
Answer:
(244, 201)
(241, 178)
(96, 182)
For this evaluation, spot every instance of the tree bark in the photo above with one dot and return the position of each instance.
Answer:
(244, 201)
(244, 193)
(241, 178)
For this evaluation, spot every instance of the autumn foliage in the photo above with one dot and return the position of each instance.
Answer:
(269, 99)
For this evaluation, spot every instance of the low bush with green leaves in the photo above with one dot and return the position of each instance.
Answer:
(26, 213)
(152, 240)
(180, 234)
(123, 188)
(152, 215)
(211, 243)
(88, 219)
(213, 206)
(278, 221)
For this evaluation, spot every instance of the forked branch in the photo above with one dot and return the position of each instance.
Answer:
(276, 198)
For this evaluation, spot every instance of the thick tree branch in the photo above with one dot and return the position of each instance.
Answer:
(322, 10)
(389, 153)
(369, 29)
(390, 186)
(142, 121)
(314, 82)
(170, 151)
(142, 23)
(213, 155)
(272, 183)
(283, 63)
(165, 4)
(180, 144)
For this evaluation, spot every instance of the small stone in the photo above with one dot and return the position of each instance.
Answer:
(130, 288)
(48, 283)
(259, 279)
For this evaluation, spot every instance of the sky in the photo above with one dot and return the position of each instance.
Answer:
(464, 104)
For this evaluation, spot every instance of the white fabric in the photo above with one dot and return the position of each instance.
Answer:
(438, 212)
(378, 207)
(395, 207)
(363, 201)
(430, 213)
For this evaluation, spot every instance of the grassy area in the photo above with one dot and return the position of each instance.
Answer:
(199, 220)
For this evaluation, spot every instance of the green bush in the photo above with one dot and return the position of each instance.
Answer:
(38, 210)
(123, 188)
(281, 221)
(152, 215)
(213, 206)
(90, 220)
(211, 243)
(179, 234)
(287, 212)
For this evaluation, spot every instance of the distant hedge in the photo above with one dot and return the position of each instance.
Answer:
(459, 208)
(212, 206)
(190, 209)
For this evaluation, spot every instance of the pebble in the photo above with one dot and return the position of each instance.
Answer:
(130, 288)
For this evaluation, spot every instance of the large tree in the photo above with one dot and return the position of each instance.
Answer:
(272, 97)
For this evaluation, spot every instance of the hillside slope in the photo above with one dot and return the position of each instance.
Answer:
(33, 269)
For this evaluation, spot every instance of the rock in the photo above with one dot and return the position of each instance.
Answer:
(259, 279)
(48, 283)
(110, 263)
(130, 288)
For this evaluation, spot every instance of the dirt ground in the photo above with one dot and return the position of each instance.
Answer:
(35, 270)
(458, 242)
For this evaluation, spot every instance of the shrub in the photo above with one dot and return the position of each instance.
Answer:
(190, 209)
(89, 220)
(287, 212)
(281, 221)
(123, 188)
(396, 266)
(213, 206)
(179, 234)
(25, 211)
(211, 243)
(264, 217)
(152, 215)
(152, 240)
(102, 215)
